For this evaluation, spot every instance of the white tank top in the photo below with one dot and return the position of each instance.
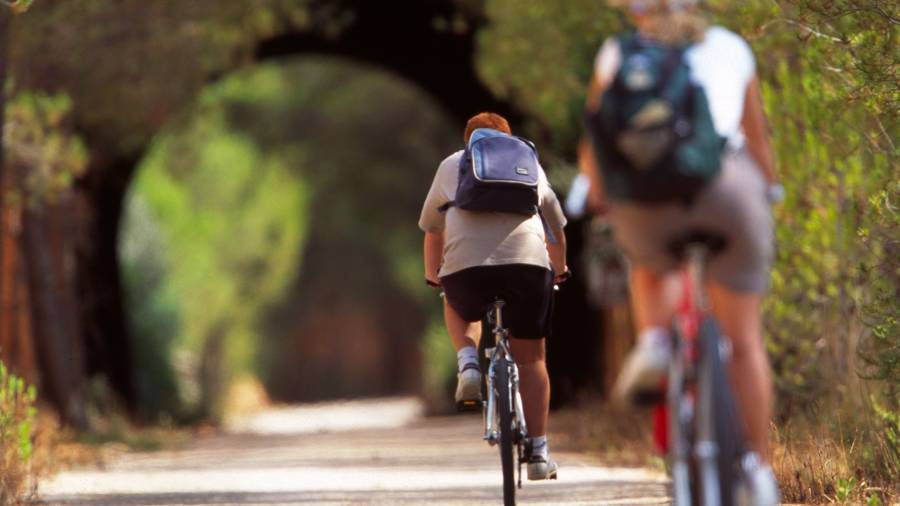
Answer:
(722, 63)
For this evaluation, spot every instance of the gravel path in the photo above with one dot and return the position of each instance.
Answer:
(374, 452)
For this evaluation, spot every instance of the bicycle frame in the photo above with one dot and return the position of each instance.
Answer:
(691, 368)
(501, 349)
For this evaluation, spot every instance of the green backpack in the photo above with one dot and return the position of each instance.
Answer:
(653, 134)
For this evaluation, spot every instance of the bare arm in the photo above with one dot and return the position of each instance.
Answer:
(587, 165)
(433, 254)
(587, 160)
(756, 130)
(557, 253)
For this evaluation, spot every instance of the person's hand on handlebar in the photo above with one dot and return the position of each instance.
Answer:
(563, 276)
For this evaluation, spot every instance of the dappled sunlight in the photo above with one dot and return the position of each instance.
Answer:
(333, 416)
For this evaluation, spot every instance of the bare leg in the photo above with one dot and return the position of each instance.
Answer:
(534, 383)
(654, 298)
(462, 333)
(739, 316)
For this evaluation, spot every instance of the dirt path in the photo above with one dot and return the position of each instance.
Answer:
(377, 452)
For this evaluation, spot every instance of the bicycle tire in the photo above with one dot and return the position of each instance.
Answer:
(727, 434)
(504, 403)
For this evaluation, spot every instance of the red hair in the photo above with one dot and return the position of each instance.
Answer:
(486, 120)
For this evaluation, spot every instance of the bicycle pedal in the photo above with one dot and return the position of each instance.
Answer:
(648, 398)
(469, 405)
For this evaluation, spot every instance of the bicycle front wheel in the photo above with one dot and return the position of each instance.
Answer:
(504, 403)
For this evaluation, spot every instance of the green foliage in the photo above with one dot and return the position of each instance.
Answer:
(150, 59)
(213, 228)
(440, 358)
(278, 168)
(829, 71)
(540, 55)
(44, 155)
(18, 6)
(887, 436)
(17, 415)
(369, 163)
(844, 488)
(829, 88)
(153, 315)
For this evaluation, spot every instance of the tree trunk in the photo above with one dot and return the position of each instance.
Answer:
(16, 339)
(4, 35)
(52, 302)
(48, 257)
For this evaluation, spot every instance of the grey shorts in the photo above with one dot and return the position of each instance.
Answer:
(733, 206)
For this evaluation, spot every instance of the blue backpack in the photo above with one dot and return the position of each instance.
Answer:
(497, 173)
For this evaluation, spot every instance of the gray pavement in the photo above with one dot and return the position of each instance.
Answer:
(373, 452)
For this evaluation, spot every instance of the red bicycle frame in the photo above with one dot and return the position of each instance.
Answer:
(687, 324)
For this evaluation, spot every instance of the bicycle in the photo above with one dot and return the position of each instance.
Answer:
(504, 415)
(697, 424)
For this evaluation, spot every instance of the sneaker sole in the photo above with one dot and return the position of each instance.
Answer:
(543, 476)
(469, 393)
(642, 391)
(469, 405)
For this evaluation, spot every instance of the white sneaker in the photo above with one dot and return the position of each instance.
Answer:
(763, 489)
(540, 465)
(540, 468)
(468, 384)
(643, 372)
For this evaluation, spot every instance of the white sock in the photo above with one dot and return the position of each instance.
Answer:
(466, 355)
(655, 336)
(539, 446)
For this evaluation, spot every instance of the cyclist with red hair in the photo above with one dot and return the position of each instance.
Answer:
(476, 256)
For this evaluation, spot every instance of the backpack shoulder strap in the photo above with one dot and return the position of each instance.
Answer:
(462, 162)
(674, 57)
(547, 230)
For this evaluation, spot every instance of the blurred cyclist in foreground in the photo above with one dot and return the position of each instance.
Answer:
(732, 198)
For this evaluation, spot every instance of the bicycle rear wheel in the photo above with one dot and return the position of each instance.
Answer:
(504, 403)
(724, 411)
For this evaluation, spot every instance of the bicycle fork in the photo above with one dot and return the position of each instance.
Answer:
(680, 410)
(491, 434)
(491, 431)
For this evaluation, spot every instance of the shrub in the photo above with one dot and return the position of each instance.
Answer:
(17, 415)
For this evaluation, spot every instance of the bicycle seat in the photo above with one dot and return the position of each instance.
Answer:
(713, 242)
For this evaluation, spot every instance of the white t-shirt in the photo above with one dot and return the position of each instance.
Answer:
(473, 239)
(722, 64)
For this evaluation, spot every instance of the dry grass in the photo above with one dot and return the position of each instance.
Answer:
(814, 467)
(615, 437)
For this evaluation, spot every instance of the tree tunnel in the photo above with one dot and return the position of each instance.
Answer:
(271, 232)
(417, 45)
(430, 45)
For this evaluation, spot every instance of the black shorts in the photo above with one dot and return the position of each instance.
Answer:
(527, 290)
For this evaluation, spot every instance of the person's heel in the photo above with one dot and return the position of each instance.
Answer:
(468, 388)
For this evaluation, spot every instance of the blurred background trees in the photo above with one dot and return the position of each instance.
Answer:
(205, 206)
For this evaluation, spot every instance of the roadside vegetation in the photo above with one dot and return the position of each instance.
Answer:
(17, 418)
(229, 216)
(829, 72)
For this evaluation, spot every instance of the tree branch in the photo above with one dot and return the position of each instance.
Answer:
(808, 29)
